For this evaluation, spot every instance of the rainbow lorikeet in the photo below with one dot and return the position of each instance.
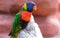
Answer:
(24, 25)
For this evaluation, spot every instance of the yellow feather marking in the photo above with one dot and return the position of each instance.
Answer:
(25, 6)
(16, 34)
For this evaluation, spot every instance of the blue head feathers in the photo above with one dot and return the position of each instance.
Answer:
(30, 6)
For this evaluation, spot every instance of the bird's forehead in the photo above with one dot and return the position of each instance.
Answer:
(30, 3)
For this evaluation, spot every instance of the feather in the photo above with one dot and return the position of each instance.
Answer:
(31, 31)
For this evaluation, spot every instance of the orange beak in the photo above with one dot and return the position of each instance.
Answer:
(25, 15)
(35, 8)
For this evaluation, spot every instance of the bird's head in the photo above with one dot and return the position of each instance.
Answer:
(30, 6)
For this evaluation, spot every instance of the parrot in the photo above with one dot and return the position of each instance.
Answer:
(24, 25)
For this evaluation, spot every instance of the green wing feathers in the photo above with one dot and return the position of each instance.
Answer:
(16, 22)
(15, 27)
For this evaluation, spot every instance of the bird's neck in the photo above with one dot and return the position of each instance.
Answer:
(32, 19)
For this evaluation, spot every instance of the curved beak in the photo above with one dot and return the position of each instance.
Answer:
(35, 8)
